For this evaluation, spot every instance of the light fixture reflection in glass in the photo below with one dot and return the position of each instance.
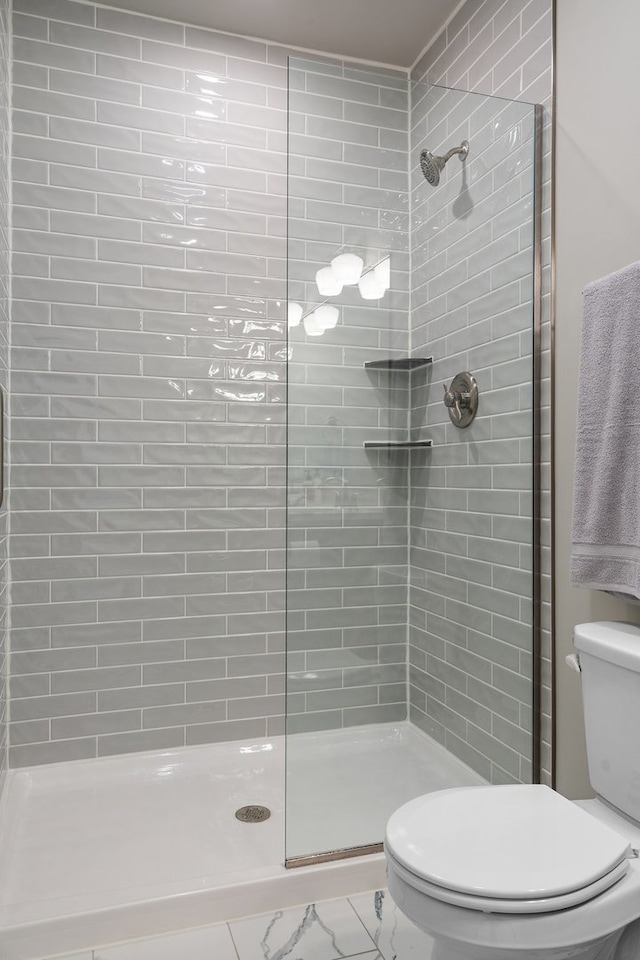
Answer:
(348, 268)
(382, 271)
(370, 287)
(328, 282)
(327, 315)
(294, 314)
(313, 327)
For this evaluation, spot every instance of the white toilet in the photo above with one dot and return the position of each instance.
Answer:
(519, 872)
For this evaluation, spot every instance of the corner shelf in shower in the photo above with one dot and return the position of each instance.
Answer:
(407, 364)
(397, 445)
(404, 365)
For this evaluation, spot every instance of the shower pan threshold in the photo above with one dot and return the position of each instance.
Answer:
(93, 852)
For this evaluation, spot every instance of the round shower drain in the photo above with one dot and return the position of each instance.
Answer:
(253, 813)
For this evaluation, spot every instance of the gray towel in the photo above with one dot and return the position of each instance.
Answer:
(605, 552)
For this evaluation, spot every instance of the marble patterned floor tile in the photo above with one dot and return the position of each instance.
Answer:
(205, 943)
(395, 936)
(330, 930)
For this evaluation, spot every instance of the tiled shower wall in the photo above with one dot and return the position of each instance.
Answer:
(471, 510)
(148, 350)
(476, 695)
(148, 484)
(5, 78)
(347, 521)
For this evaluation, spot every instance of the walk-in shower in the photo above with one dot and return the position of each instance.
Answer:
(152, 503)
(410, 580)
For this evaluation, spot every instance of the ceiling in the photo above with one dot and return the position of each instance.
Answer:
(385, 31)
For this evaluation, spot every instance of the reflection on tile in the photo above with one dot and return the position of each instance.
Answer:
(322, 931)
(206, 943)
(394, 935)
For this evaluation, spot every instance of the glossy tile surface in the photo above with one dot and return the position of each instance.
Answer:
(5, 264)
(322, 931)
(149, 383)
(395, 937)
(148, 219)
(346, 506)
(471, 590)
(483, 51)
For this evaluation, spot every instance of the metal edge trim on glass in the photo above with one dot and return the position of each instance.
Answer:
(551, 721)
(346, 854)
(536, 598)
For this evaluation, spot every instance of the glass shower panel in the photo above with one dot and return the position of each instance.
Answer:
(381, 700)
(347, 504)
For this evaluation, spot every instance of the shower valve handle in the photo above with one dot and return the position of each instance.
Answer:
(455, 400)
(461, 399)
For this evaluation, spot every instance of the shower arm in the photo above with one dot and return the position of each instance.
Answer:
(463, 150)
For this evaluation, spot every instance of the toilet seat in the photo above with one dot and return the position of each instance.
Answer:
(495, 905)
(507, 849)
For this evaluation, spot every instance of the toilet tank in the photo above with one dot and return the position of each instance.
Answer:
(609, 655)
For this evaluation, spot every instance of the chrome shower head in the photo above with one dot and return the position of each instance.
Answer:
(431, 165)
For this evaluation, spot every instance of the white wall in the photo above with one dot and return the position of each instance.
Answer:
(597, 232)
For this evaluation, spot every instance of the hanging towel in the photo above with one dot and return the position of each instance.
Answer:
(605, 552)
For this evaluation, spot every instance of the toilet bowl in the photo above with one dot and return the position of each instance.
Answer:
(518, 872)
(514, 873)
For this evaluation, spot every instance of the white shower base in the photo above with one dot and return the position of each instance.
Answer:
(97, 851)
(343, 785)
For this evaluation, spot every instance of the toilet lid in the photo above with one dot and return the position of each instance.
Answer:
(523, 842)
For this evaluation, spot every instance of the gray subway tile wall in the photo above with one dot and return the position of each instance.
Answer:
(5, 269)
(501, 49)
(347, 507)
(458, 695)
(148, 443)
(149, 358)
(149, 394)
